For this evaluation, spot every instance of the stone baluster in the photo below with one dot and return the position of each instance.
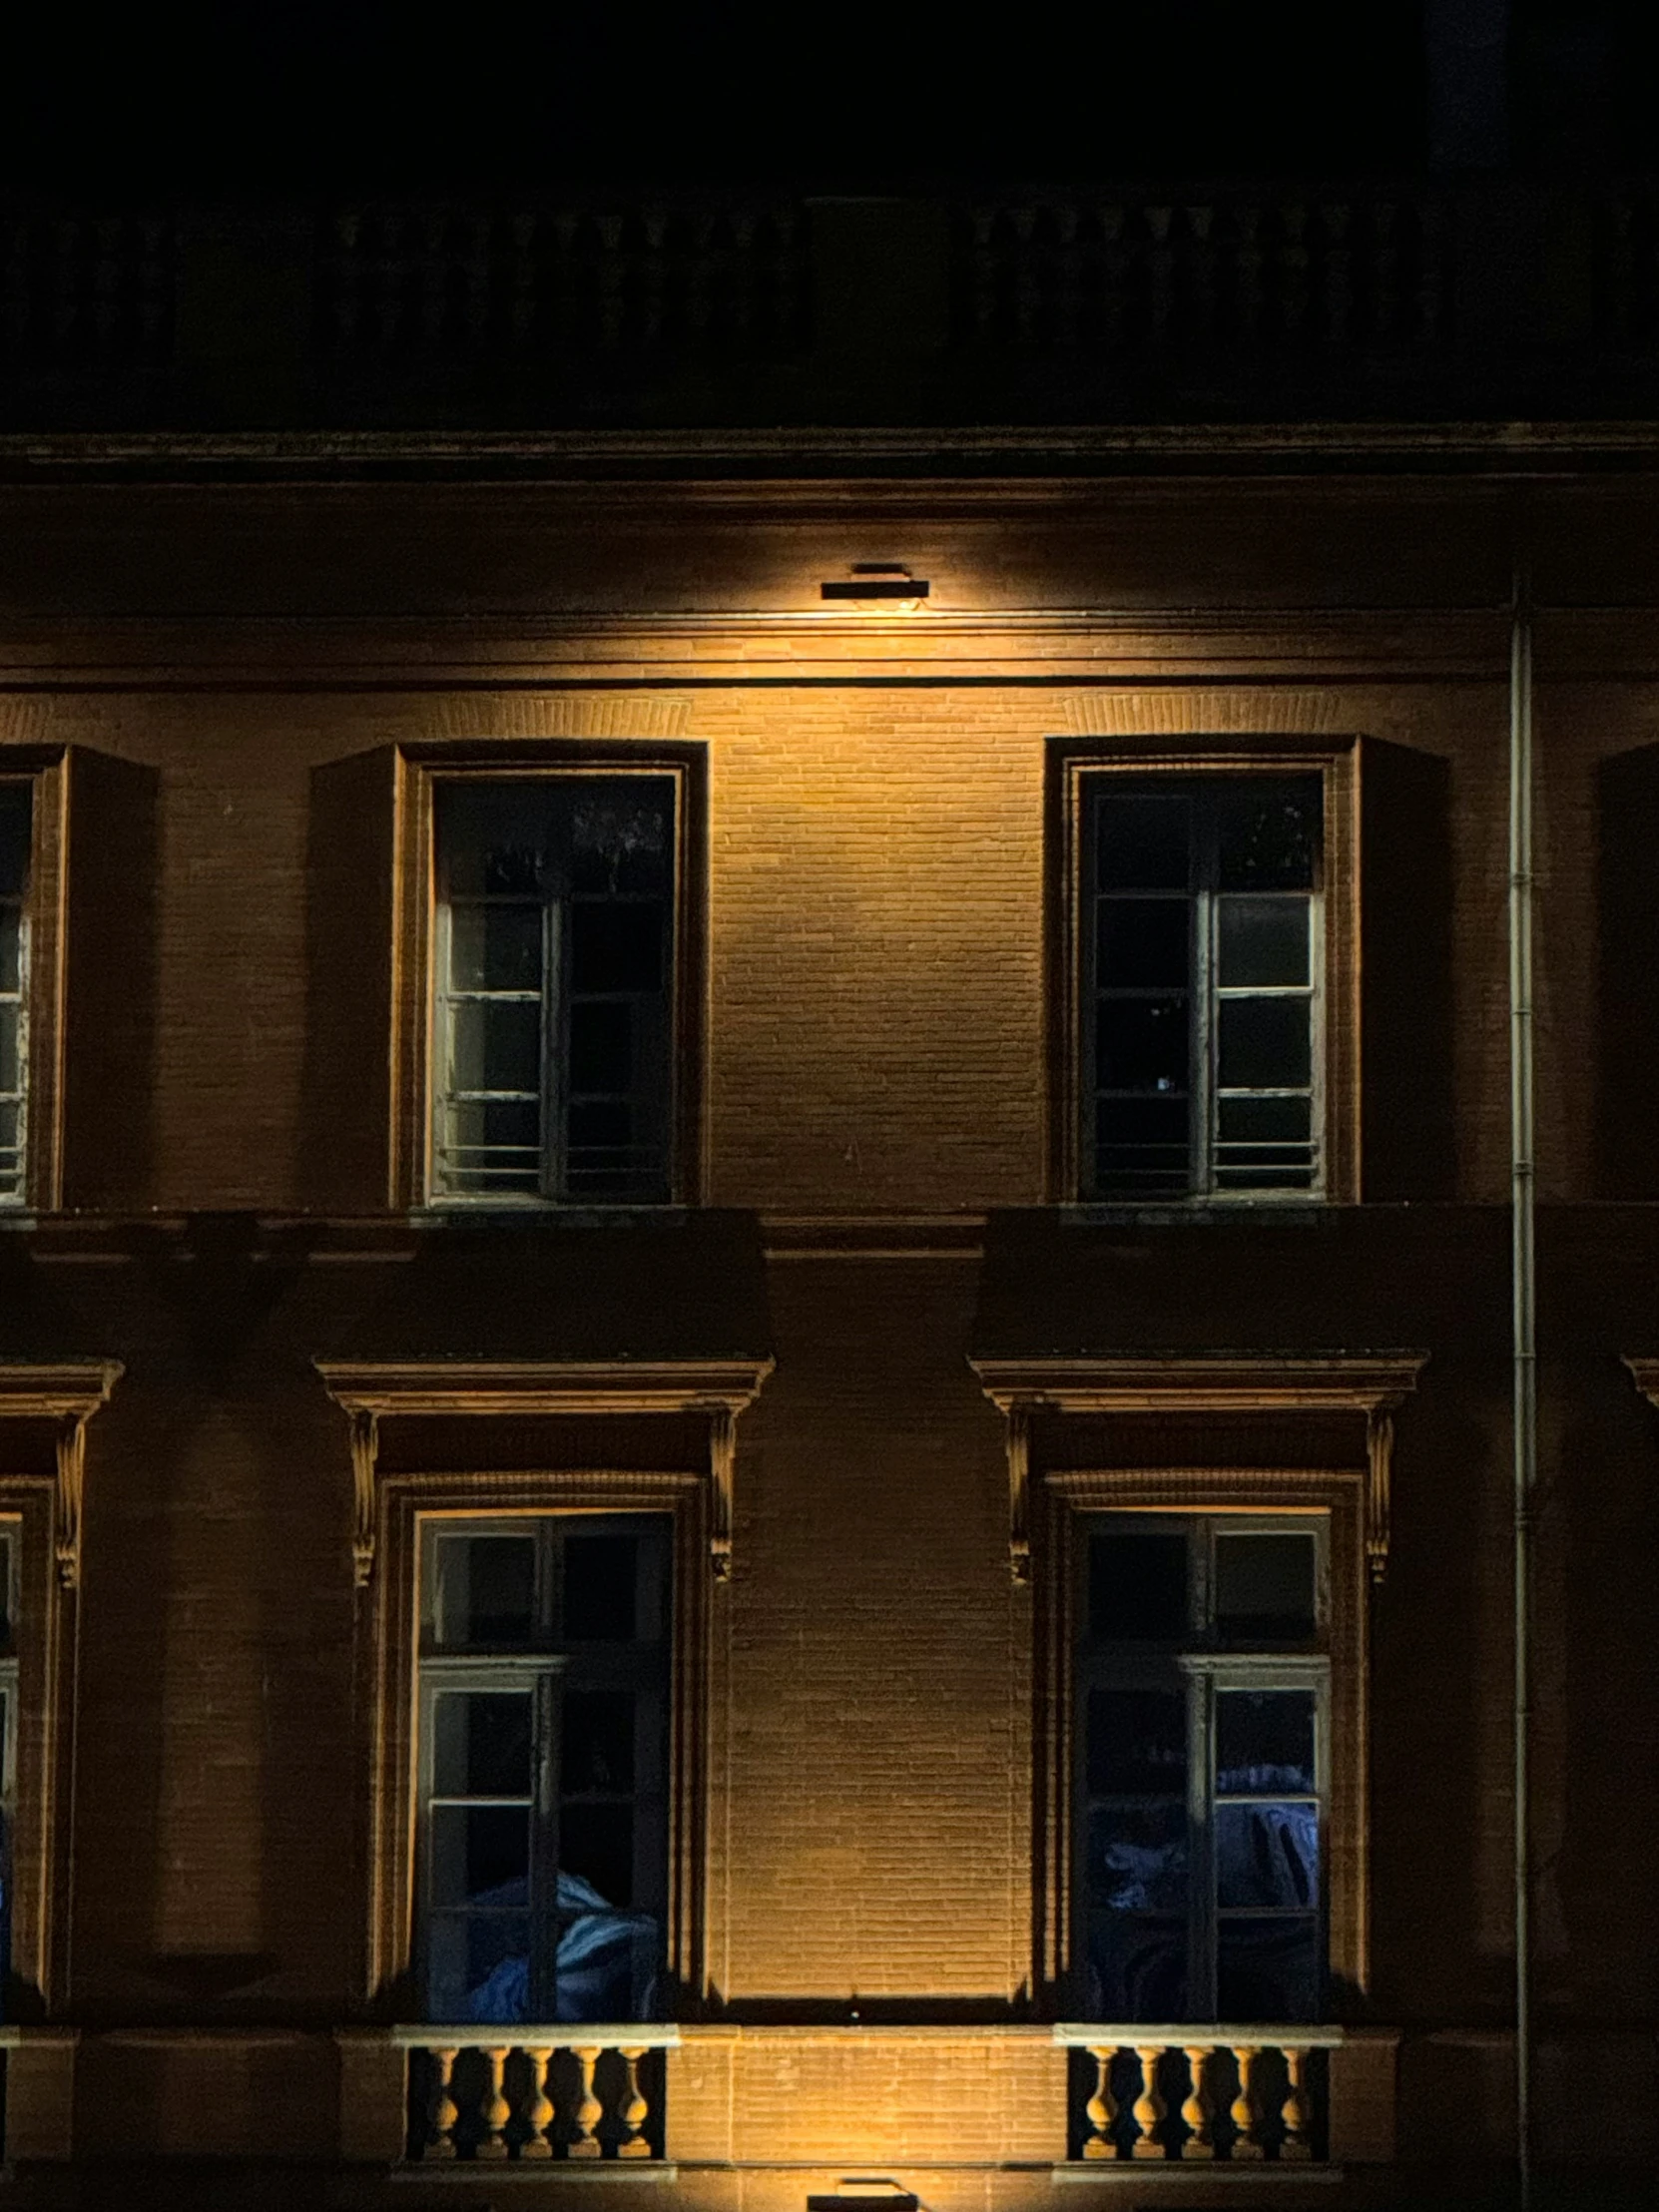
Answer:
(589, 2110)
(539, 2143)
(1296, 2115)
(634, 2110)
(1248, 263)
(1150, 2110)
(497, 2111)
(1101, 2111)
(440, 2137)
(1195, 2111)
(1160, 262)
(1242, 2114)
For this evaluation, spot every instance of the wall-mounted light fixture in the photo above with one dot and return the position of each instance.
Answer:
(877, 580)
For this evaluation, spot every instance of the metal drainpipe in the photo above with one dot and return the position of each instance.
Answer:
(1524, 1302)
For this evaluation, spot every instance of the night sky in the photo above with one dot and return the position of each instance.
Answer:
(302, 97)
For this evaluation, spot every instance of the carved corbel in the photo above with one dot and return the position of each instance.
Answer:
(71, 1483)
(366, 1452)
(1380, 1461)
(723, 1460)
(1017, 1410)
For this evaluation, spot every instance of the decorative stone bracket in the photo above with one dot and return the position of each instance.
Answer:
(66, 1394)
(369, 1391)
(1372, 1384)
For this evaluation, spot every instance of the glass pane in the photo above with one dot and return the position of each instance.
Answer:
(1137, 1744)
(1138, 1857)
(11, 938)
(1141, 1146)
(621, 834)
(1138, 1587)
(500, 1135)
(1265, 1587)
(496, 947)
(496, 1045)
(1137, 1969)
(486, 1590)
(1268, 1969)
(1262, 940)
(1142, 841)
(600, 1579)
(1267, 1855)
(8, 1047)
(16, 809)
(595, 1741)
(5, 1610)
(1264, 1043)
(1141, 1045)
(607, 1961)
(1264, 1742)
(616, 947)
(1266, 1125)
(480, 1855)
(1270, 831)
(596, 1843)
(481, 1743)
(601, 1045)
(1142, 942)
(478, 1967)
(599, 1125)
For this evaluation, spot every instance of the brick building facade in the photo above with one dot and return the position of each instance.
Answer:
(890, 1390)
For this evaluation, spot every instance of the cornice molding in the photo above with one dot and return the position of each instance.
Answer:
(67, 1392)
(368, 1391)
(1371, 1383)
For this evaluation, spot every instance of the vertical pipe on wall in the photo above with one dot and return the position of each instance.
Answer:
(1523, 1289)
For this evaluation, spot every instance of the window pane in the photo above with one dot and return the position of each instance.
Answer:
(1264, 1043)
(1269, 829)
(616, 947)
(1265, 1587)
(481, 1855)
(1142, 841)
(621, 834)
(601, 1045)
(16, 809)
(1138, 1587)
(600, 1125)
(596, 1746)
(482, 1742)
(1142, 943)
(1268, 1969)
(600, 1580)
(1137, 1744)
(495, 947)
(1138, 1857)
(8, 1048)
(496, 1045)
(1271, 1126)
(1264, 1742)
(1262, 940)
(1142, 1147)
(486, 1590)
(11, 938)
(1137, 1969)
(1267, 1855)
(596, 1843)
(478, 1967)
(1141, 1045)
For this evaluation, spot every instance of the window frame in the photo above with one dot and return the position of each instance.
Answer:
(440, 1669)
(44, 771)
(1260, 1496)
(1206, 1667)
(420, 771)
(1071, 765)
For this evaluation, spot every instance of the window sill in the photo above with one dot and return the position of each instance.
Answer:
(1297, 1211)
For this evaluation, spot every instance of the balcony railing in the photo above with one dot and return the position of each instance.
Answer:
(535, 2092)
(1197, 2094)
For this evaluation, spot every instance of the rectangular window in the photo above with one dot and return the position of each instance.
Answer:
(1201, 1766)
(1201, 990)
(555, 989)
(16, 825)
(543, 1725)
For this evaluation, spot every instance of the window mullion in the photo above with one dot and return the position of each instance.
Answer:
(1204, 1028)
(1200, 1906)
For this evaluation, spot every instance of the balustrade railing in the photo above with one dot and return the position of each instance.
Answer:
(1200, 272)
(1196, 2094)
(85, 289)
(629, 279)
(535, 2092)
